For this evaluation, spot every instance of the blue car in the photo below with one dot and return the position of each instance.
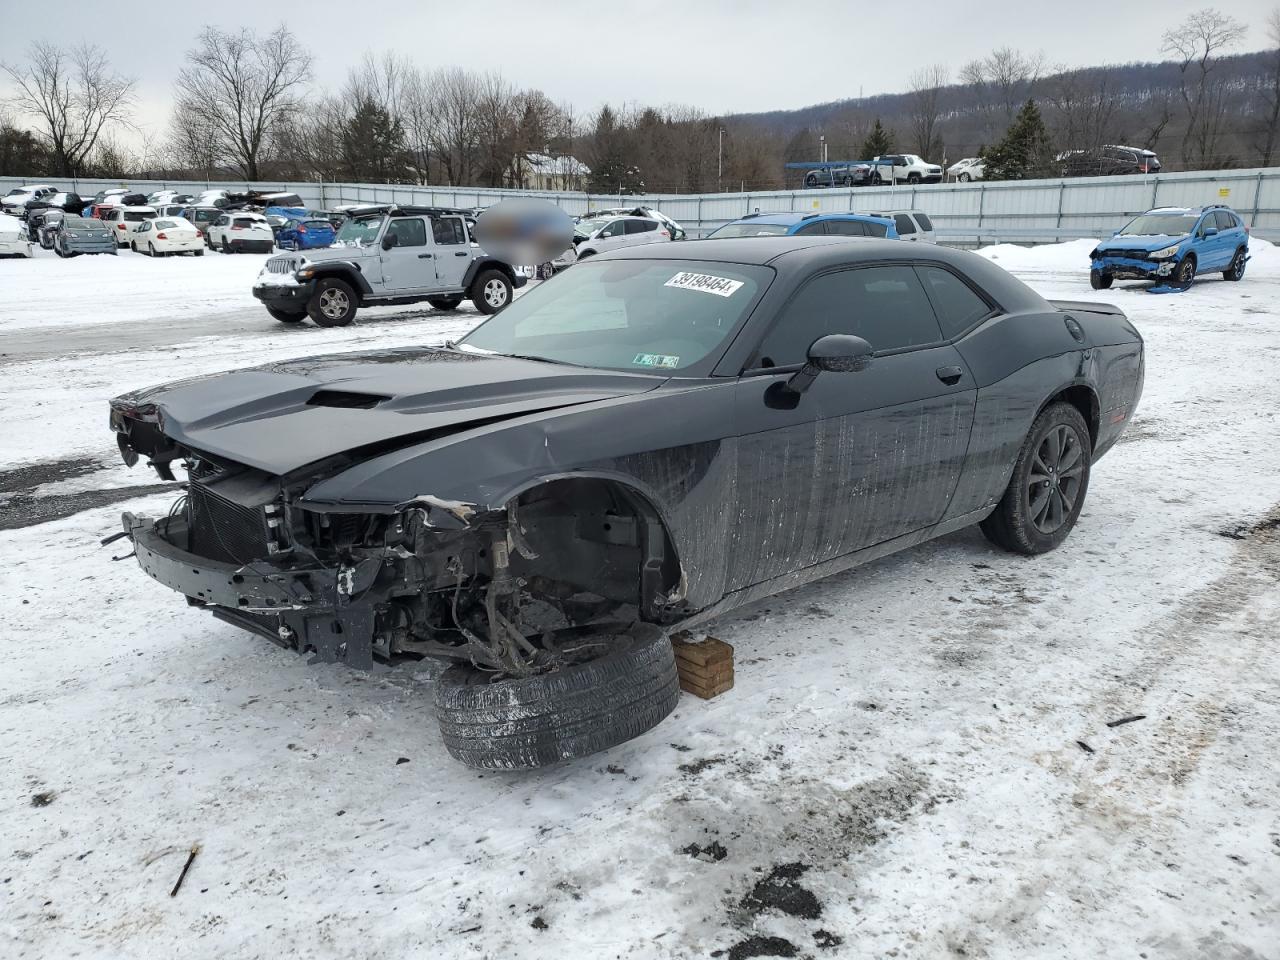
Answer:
(1172, 245)
(808, 225)
(308, 234)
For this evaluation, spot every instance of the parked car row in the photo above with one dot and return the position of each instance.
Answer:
(890, 168)
(891, 225)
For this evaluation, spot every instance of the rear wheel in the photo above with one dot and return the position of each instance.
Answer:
(964, 178)
(491, 291)
(286, 317)
(913, 178)
(333, 304)
(1048, 486)
(444, 303)
(226, 247)
(493, 722)
(151, 249)
(1099, 280)
(1236, 270)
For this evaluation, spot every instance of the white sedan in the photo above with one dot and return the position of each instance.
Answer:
(970, 168)
(124, 222)
(166, 235)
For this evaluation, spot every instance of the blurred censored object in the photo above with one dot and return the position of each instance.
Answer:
(524, 231)
(705, 666)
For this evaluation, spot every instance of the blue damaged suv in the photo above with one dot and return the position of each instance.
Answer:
(807, 225)
(1172, 245)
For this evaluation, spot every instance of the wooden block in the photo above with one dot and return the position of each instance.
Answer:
(705, 652)
(706, 693)
(705, 667)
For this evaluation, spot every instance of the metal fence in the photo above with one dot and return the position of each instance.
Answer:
(1029, 211)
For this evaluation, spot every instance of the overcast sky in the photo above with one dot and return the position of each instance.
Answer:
(719, 55)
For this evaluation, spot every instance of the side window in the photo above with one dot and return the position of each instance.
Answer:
(925, 222)
(904, 224)
(447, 231)
(641, 226)
(411, 231)
(846, 228)
(818, 229)
(1226, 221)
(614, 229)
(886, 306)
(876, 229)
(957, 306)
(1205, 223)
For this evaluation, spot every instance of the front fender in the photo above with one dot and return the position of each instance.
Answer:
(347, 270)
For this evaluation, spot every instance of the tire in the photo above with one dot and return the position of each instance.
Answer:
(876, 179)
(226, 247)
(333, 304)
(198, 253)
(285, 317)
(1024, 524)
(964, 178)
(151, 249)
(1235, 271)
(133, 246)
(1185, 273)
(1099, 280)
(444, 303)
(491, 291)
(519, 724)
(57, 249)
(810, 182)
(913, 178)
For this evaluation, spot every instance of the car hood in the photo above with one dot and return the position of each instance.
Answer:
(284, 416)
(1135, 241)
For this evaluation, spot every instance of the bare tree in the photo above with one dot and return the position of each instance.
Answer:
(1268, 106)
(1002, 82)
(456, 133)
(75, 96)
(244, 90)
(1196, 44)
(1083, 108)
(924, 107)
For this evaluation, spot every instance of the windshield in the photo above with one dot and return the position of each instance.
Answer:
(585, 228)
(359, 232)
(1160, 224)
(749, 228)
(648, 316)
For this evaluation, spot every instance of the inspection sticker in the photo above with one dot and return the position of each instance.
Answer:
(655, 360)
(720, 286)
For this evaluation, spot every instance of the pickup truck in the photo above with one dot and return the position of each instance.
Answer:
(387, 255)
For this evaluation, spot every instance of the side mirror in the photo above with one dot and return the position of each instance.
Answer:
(390, 240)
(1210, 231)
(834, 353)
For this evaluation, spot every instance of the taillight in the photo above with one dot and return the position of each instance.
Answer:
(161, 236)
(302, 229)
(199, 234)
(237, 228)
(119, 226)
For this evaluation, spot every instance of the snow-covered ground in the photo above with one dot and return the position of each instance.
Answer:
(898, 771)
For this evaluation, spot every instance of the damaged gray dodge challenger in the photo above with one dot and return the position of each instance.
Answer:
(644, 442)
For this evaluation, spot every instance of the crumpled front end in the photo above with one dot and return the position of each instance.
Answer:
(1135, 263)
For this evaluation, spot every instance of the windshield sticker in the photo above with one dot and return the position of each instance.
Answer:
(720, 286)
(656, 359)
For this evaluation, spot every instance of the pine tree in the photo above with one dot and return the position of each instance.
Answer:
(611, 170)
(878, 143)
(1025, 152)
(373, 145)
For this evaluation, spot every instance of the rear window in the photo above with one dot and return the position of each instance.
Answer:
(246, 222)
(138, 217)
(925, 222)
(318, 224)
(165, 225)
(847, 228)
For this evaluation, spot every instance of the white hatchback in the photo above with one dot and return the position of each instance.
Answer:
(166, 235)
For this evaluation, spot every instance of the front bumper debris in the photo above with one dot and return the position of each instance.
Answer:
(1131, 268)
(306, 607)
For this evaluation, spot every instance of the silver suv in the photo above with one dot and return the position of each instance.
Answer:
(596, 234)
(387, 255)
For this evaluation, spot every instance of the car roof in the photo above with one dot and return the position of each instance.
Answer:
(764, 250)
(137, 209)
(792, 217)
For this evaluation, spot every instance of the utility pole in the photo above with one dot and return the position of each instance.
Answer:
(822, 146)
(720, 164)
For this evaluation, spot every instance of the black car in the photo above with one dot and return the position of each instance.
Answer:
(1109, 160)
(644, 442)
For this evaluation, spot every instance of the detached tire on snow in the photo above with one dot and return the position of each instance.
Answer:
(519, 724)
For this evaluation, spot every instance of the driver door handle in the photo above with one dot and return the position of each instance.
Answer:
(950, 375)
(460, 253)
(424, 256)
